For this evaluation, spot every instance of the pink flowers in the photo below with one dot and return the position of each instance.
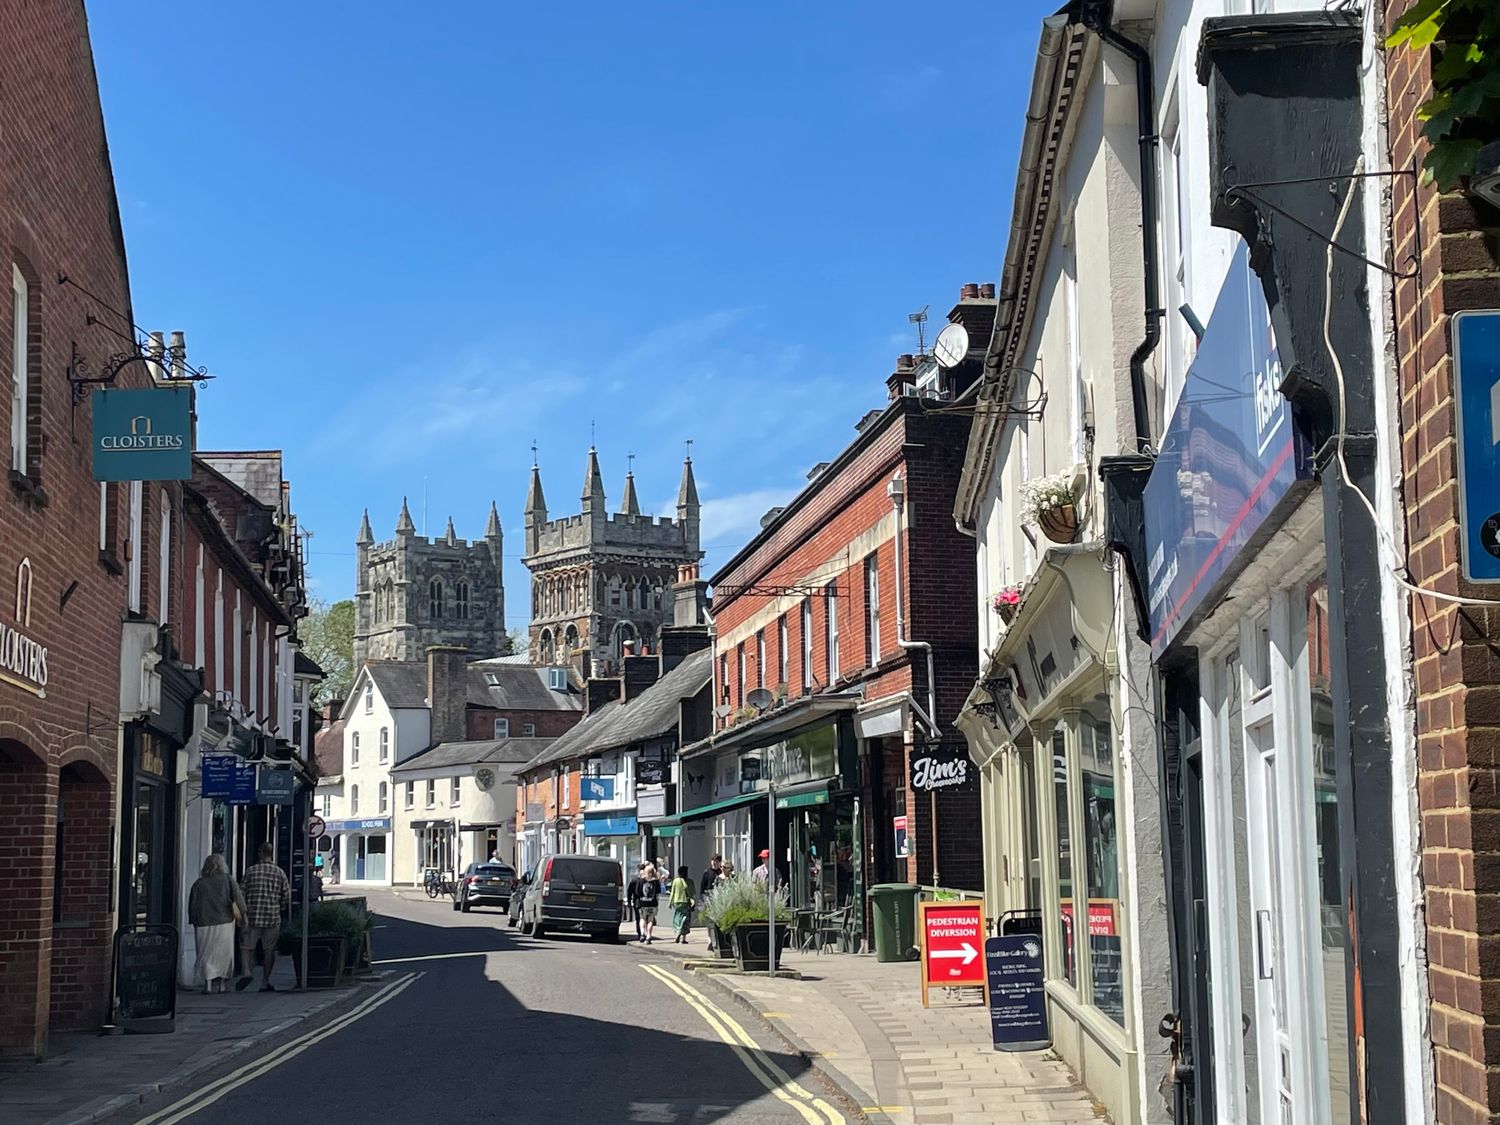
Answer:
(1006, 600)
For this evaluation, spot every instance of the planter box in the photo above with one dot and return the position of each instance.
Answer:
(752, 946)
(325, 961)
(722, 946)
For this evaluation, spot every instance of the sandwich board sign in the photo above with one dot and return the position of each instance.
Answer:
(952, 937)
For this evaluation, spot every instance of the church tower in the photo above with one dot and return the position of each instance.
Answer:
(601, 580)
(412, 592)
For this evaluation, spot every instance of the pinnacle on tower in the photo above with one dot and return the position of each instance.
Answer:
(404, 526)
(630, 506)
(492, 529)
(593, 483)
(452, 535)
(536, 503)
(687, 491)
(366, 536)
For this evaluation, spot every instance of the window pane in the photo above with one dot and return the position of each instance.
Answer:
(1096, 760)
(1064, 855)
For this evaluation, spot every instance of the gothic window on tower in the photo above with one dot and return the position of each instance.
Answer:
(461, 600)
(435, 598)
(544, 644)
(570, 638)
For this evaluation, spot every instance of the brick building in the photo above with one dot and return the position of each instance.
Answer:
(63, 591)
(843, 650)
(1453, 241)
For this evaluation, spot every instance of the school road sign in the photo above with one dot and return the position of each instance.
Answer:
(1476, 374)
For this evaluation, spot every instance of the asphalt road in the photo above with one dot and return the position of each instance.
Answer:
(476, 1023)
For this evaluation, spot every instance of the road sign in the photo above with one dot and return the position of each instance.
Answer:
(1476, 377)
(316, 827)
(952, 937)
(1016, 992)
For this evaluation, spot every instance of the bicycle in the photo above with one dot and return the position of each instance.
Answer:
(432, 882)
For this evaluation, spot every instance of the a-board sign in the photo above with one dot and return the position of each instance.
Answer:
(146, 978)
(1017, 996)
(952, 937)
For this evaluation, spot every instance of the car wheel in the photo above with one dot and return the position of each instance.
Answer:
(512, 921)
(538, 930)
(455, 904)
(464, 906)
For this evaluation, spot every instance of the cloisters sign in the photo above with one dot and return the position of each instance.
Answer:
(23, 660)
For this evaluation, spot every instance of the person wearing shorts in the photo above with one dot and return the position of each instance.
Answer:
(650, 895)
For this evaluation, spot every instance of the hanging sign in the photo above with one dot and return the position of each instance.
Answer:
(952, 936)
(1017, 996)
(650, 771)
(274, 786)
(144, 434)
(217, 773)
(1476, 379)
(940, 765)
(596, 789)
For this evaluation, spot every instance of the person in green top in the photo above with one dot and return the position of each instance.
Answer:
(681, 899)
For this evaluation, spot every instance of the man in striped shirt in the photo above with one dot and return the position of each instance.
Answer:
(267, 893)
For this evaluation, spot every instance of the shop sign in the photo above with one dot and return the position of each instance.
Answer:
(750, 771)
(143, 434)
(596, 788)
(952, 935)
(898, 829)
(1229, 459)
(940, 765)
(1014, 983)
(1101, 917)
(609, 824)
(274, 786)
(369, 824)
(217, 772)
(650, 771)
(1476, 384)
(808, 756)
(23, 659)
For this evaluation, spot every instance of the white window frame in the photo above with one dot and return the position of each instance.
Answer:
(528, 730)
(807, 644)
(1175, 235)
(739, 659)
(409, 795)
(455, 794)
(354, 803)
(164, 562)
(20, 359)
(502, 727)
(137, 499)
(872, 607)
(385, 745)
(369, 699)
(1077, 394)
(831, 631)
(385, 799)
(354, 748)
(760, 658)
(431, 793)
(781, 653)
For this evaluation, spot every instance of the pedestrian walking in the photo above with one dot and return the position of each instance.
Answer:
(267, 893)
(633, 897)
(215, 907)
(681, 898)
(765, 871)
(650, 896)
(711, 874)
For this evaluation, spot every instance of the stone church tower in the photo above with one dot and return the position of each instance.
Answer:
(412, 592)
(599, 580)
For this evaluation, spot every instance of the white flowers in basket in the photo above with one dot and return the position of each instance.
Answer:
(1043, 494)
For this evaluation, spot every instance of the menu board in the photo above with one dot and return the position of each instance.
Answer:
(146, 975)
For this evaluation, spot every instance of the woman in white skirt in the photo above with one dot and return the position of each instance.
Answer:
(215, 906)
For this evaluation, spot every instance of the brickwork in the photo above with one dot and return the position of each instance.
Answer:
(81, 918)
(1457, 674)
(548, 724)
(58, 216)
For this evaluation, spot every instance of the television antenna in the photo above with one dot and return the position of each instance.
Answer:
(919, 318)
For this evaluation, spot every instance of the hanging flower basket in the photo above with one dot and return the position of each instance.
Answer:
(1006, 602)
(1059, 524)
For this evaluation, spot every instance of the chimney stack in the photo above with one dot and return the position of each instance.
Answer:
(906, 365)
(975, 310)
(640, 673)
(596, 693)
(448, 692)
(331, 709)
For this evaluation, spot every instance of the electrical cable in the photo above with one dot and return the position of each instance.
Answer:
(1338, 371)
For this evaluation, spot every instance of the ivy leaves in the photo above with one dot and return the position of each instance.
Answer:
(1463, 113)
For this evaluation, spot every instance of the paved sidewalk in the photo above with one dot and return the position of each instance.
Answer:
(87, 1077)
(862, 1024)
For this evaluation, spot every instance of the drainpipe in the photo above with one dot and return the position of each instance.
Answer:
(1097, 17)
(896, 490)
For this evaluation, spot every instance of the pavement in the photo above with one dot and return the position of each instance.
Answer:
(862, 1025)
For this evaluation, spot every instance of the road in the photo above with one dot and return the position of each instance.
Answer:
(475, 1022)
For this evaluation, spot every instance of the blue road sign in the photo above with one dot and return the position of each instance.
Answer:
(1476, 375)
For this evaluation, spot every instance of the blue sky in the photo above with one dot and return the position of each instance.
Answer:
(409, 242)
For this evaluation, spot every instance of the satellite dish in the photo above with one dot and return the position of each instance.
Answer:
(760, 699)
(722, 710)
(951, 345)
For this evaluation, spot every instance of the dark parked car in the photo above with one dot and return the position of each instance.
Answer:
(518, 894)
(581, 893)
(484, 884)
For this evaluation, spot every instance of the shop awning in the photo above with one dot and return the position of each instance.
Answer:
(666, 831)
(672, 825)
(804, 796)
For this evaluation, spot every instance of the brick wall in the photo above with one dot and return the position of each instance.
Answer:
(58, 216)
(81, 923)
(549, 724)
(1457, 674)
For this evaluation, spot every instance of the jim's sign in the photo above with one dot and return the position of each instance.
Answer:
(143, 434)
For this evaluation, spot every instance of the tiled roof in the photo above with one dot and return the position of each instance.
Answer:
(402, 683)
(328, 749)
(518, 688)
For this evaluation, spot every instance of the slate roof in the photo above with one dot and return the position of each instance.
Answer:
(402, 683)
(520, 688)
(304, 665)
(512, 751)
(651, 714)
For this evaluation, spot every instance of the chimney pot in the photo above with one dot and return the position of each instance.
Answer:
(969, 292)
(987, 291)
(905, 362)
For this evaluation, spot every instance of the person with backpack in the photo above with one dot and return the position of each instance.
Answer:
(650, 895)
(633, 897)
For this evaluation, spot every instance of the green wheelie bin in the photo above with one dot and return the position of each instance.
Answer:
(895, 909)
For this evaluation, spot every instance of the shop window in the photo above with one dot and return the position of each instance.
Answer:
(431, 792)
(1102, 861)
(455, 796)
(354, 804)
(385, 745)
(385, 802)
(409, 799)
(1062, 810)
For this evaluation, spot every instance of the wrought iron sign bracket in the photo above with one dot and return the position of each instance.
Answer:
(82, 375)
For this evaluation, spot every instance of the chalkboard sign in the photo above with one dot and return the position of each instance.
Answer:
(146, 978)
(1018, 1000)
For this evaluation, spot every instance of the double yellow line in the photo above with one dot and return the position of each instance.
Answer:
(814, 1110)
(206, 1096)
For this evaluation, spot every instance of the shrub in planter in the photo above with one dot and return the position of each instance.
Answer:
(738, 907)
(335, 933)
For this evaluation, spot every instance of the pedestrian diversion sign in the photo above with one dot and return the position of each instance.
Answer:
(952, 935)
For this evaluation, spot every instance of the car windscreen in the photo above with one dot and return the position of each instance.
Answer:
(573, 870)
